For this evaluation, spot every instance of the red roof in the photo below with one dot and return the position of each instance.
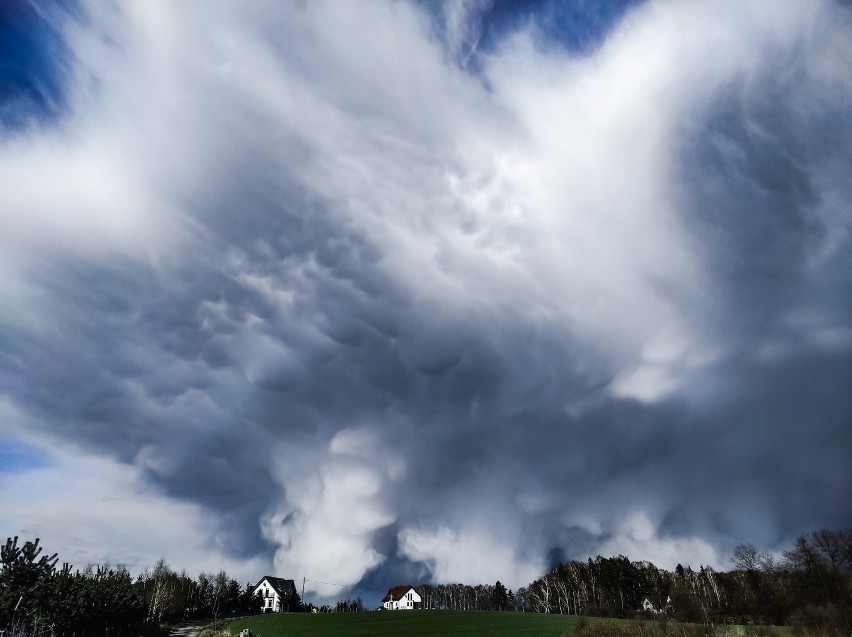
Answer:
(396, 593)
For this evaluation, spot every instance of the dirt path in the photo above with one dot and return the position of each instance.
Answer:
(187, 631)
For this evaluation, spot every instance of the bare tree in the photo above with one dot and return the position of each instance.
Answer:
(829, 546)
(746, 557)
(161, 591)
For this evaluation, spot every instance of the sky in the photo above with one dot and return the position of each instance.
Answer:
(403, 291)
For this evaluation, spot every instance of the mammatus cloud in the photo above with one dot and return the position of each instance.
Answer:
(376, 299)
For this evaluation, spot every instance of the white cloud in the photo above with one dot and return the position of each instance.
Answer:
(469, 555)
(335, 502)
(637, 537)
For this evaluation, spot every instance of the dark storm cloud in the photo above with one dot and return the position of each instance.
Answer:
(379, 322)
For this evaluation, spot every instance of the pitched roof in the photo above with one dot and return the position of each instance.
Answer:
(396, 593)
(284, 587)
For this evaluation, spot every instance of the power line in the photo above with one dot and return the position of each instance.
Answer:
(354, 586)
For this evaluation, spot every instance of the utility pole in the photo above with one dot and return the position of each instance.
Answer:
(303, 591)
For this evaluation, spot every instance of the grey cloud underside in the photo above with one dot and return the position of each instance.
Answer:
(284, 324)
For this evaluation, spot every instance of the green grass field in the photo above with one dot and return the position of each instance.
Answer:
(431, 623)
(417, 623)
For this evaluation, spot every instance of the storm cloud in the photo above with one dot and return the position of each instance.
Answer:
(365, 291)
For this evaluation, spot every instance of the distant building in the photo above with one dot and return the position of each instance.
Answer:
(648, 607)
(401, 598)
(278, 594)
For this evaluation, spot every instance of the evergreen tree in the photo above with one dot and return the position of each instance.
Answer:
(501, 597)
(25, 582)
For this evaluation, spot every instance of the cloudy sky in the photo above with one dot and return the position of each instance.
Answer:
(402, 291)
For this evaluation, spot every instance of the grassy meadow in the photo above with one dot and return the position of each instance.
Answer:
(447, 623)
(417, 623)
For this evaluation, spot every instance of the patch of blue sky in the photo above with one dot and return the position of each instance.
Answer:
(17, 456)
(577, 26)
(33, 62)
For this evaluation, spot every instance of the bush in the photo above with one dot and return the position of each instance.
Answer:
(826, 620)
(659, 627)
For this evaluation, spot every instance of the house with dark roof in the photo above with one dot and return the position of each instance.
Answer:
(401, 598)
(277, 594)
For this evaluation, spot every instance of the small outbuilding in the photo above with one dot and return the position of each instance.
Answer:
(401, 598)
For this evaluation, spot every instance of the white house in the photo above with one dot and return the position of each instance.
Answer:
(277, 594)
(648, 607)
(401, 598)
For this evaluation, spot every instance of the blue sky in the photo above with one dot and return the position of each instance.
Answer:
(16, 456)
(373, 292)
(578, 25)
(33, 63)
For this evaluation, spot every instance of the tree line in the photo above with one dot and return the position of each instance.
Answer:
(38, 598)
(466, 597)
(810, 588)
